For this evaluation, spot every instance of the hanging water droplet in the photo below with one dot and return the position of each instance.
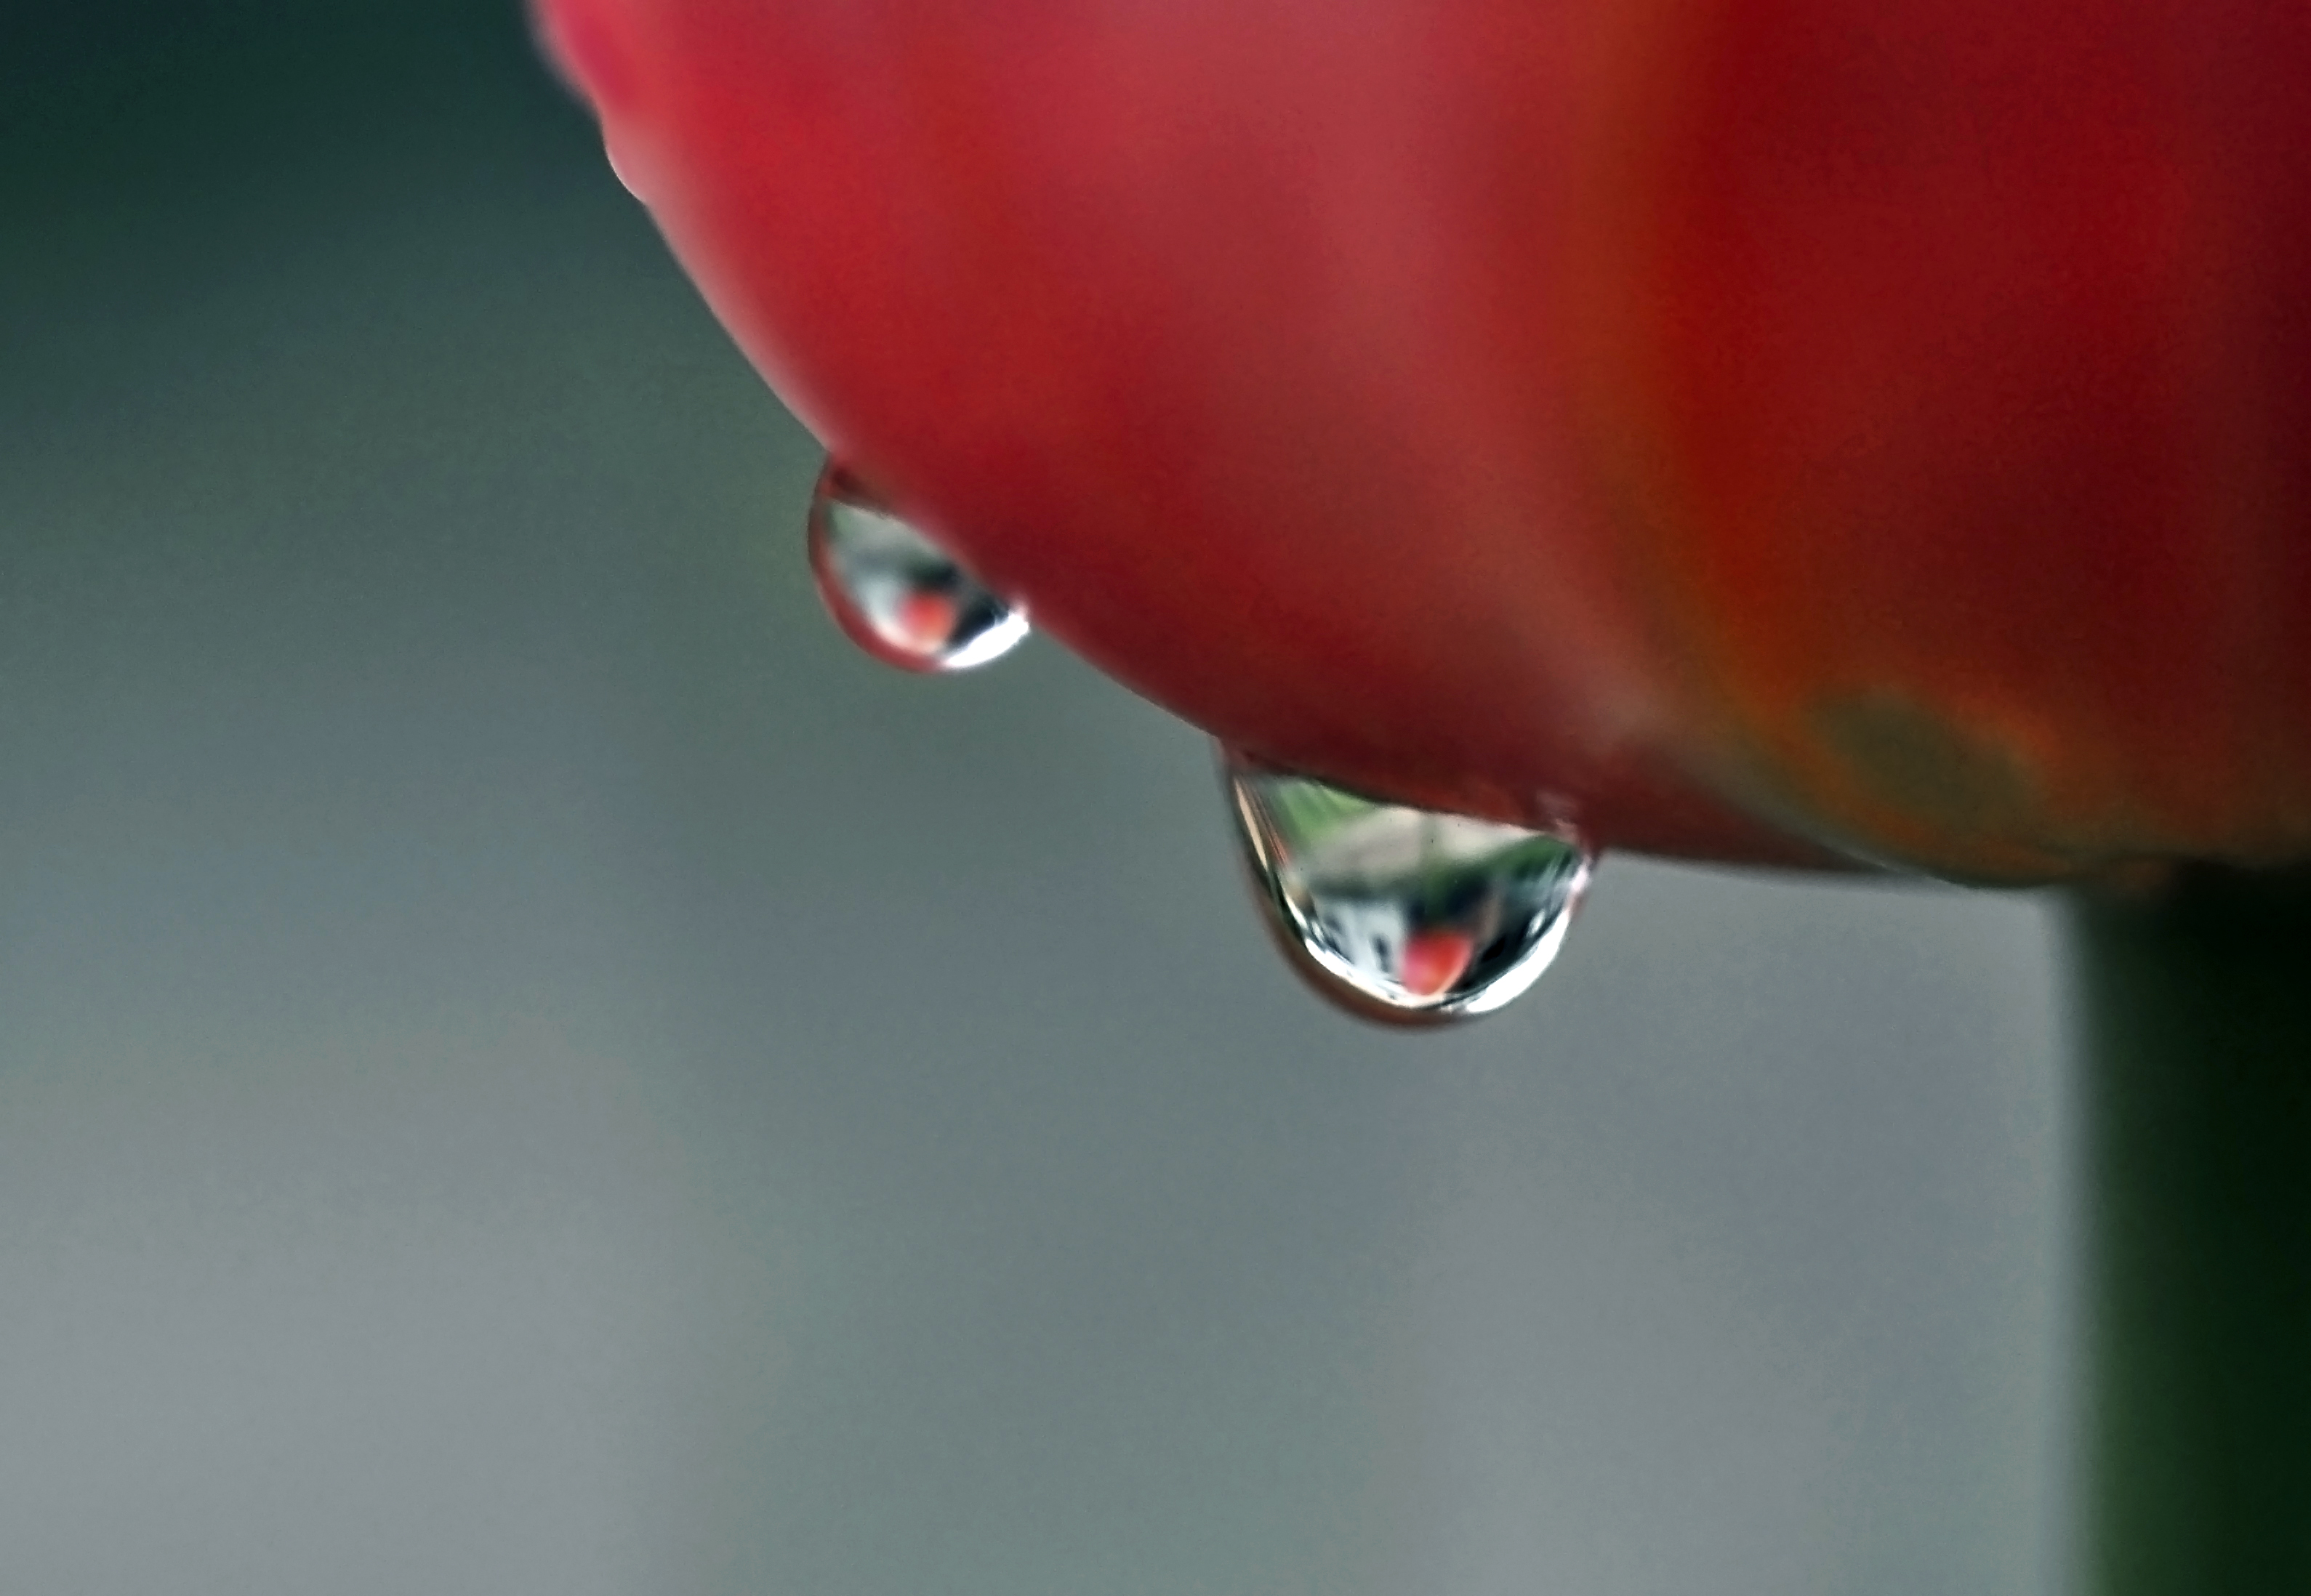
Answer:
(622, 171)
(1400, 913)
(897, 594)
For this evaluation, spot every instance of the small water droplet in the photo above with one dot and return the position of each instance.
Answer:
(1398, 914)
(897, 594)
(622, 171)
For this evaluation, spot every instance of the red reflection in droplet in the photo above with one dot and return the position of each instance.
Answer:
(1433, 960)
(924, 621)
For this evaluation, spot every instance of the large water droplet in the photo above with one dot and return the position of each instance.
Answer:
(1398, 914)
(897, 594)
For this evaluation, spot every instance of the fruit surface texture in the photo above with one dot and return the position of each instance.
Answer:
(1767, 430)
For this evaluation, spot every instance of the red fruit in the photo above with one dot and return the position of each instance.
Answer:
(1886, 425)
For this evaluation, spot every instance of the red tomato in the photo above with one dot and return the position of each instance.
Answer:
(1734, 426)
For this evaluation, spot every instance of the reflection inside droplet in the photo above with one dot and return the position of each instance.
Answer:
(898, 594)
(1400, 913)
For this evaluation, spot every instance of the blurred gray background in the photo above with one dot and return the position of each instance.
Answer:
(528, 1066)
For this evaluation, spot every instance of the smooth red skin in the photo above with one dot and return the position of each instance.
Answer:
(1968, 344)
(1886, 417)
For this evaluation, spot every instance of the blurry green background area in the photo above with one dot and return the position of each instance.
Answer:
(528, 1066)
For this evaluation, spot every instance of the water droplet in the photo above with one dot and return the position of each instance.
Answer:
(622, 171)
(1398, 914)
(897, 594)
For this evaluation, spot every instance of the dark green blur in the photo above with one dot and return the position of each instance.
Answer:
(2199, 1214)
